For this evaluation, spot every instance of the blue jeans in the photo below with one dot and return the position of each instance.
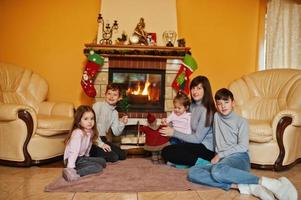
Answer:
(233, 169)
(85, 165)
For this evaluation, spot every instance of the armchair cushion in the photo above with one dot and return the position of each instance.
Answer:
(54, 118)
(56, 108)
(260, 131)
(53, 125)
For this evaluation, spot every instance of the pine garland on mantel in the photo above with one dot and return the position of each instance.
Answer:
(139, 51)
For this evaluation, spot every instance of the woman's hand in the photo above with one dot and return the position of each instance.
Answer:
(167, 131)
(215, 159)
(106, 148)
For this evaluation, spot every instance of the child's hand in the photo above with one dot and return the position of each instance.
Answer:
(164, 121)
(167, 131)
(106, 148)
(215, 159)
(125, 119)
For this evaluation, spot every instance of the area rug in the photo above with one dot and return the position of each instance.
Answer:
(131, 175)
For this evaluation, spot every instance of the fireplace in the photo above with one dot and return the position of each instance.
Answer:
(139, 64)
(135, 69)
(143, 90)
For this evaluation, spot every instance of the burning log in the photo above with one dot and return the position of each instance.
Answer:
(138, 99)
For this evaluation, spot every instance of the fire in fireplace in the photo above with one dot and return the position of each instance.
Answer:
(144, 89)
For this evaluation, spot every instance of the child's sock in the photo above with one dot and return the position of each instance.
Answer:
(282, 188)
(261, 192)
(177, 166)
(69, 174)
(171, 164)
(201, 161)
(256, 190)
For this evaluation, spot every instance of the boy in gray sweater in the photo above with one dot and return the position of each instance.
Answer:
(230, 167)
(107, 119)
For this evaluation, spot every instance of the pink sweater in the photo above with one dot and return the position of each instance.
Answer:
(79, 145)
(180, 123)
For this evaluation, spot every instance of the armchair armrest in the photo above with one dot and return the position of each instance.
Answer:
(281, 121)
(295, 116)
(11, 112)
(56, 108)
(17, 135)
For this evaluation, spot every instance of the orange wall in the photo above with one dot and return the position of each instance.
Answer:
(48, 37)
(222, 35)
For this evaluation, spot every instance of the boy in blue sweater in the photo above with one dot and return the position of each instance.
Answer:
(230, 168)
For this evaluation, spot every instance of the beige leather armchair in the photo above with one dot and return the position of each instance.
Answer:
(32, 130)
(271, 101)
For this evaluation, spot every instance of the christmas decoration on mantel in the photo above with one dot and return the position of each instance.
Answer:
(107, 31)
(94, 62)
(181, 82)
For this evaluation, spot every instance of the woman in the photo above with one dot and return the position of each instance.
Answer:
(199, 144)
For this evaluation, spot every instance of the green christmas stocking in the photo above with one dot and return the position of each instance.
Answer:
(181, 82)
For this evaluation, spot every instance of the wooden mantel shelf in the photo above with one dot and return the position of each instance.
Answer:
(137, 51)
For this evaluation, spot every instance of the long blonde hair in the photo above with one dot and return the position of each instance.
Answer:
(76, 123)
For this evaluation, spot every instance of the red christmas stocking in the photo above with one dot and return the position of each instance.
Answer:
(90, 71)
(181, 82)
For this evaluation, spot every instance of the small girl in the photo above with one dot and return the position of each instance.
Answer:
(179, 119)
(78, 144)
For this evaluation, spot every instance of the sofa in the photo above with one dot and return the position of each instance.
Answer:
(32, 129)
(271, 102)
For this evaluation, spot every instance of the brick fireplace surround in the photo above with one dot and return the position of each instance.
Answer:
(139, 57)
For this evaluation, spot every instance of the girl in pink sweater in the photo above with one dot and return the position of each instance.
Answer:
(180, 118)
(78, 145)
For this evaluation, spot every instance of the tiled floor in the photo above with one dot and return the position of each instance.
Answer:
(29, 183)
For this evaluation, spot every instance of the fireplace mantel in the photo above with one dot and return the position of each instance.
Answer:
(137, 51)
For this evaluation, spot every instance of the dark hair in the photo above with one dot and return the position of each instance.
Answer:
(76, 122)
(114, 87)
(223, 94)
(183, 99)
(207, 99)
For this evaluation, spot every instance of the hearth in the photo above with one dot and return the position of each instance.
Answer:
(143, 90)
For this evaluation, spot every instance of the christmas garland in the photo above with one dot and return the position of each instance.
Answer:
(137, 52)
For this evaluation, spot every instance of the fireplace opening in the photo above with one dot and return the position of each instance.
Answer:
(144, 89)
